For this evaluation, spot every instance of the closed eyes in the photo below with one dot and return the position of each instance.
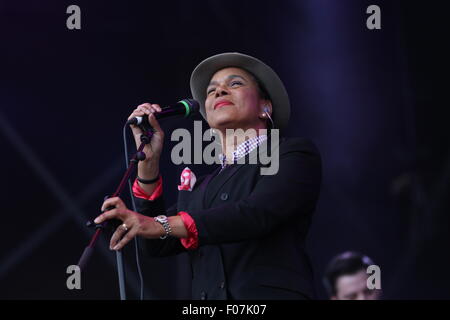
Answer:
(233, 84)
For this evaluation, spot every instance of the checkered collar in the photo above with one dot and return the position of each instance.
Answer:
(243, 149)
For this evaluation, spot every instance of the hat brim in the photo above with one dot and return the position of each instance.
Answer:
(202, 74)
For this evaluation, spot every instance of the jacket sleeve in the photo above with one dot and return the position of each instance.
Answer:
(158, 247)
(275, 200)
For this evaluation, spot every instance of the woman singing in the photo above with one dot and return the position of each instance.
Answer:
(244, 231)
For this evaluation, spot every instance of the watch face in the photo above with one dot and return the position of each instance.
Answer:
(161, 218)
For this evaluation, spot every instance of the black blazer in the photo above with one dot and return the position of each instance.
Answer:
(251, 227)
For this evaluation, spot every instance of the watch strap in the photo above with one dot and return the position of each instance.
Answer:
(164, 221)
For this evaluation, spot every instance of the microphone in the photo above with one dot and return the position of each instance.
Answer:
(185, 107)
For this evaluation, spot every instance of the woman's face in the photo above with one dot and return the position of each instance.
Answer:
(233, 101)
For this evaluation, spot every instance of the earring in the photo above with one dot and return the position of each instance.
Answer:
(266, 113)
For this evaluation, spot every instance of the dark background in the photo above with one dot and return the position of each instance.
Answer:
(371, 100)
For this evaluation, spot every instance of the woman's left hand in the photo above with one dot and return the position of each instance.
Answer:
(134, 224)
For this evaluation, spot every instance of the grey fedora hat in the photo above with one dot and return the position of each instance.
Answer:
(202, 74)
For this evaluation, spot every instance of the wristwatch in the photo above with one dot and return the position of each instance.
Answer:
(164, 221)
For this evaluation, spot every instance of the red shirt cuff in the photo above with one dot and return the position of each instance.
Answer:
(140, 193)
(191, 242)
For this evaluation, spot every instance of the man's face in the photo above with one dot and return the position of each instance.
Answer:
(354, 287)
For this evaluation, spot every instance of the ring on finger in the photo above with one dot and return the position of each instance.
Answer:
(124, 227)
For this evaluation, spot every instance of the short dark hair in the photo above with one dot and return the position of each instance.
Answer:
(347, 263)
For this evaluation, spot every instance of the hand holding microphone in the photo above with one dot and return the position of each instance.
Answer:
(185, 107)
(146, 115)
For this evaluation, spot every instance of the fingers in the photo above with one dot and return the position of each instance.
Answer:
(150, 110)
(118, 234)
(145, 109)
(126, 231)
(149, 107)
(108, 215)
(112, 202)
(122, 237)
(118, 212)
(154, 123)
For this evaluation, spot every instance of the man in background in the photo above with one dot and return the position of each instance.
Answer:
(346, 278)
